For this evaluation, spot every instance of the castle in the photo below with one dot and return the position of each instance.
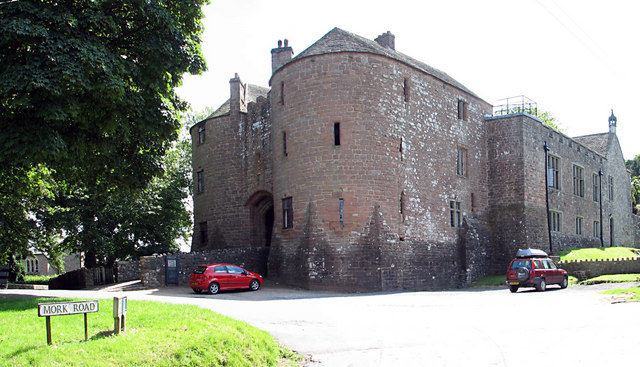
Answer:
(362, 169)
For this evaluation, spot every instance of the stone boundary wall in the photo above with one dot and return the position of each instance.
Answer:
(127, 270)
(152, 268)
(585, 269)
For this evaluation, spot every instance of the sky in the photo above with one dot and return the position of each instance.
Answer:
(578, 59)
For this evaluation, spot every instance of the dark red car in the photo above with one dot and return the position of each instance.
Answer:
(217, 277)
(534, 268)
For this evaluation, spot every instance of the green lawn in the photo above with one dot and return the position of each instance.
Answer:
(37, 279)
(612, 278)
(157, 334)
(597, 253)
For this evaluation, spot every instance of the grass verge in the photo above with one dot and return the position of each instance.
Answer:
(498, 280)
(633, 293)
(598, 253)
(158, 334)
(612, 278)
(490, 281)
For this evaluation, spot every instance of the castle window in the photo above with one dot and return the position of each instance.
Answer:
(282, 93)
(553, 172)
(336, 133)
(461, 161)
(284, 143)
(579, 221)
(462, 110)
(405, 90)
(401, 148)
(287, 213)
(596, 229)
(199, 181)
(201, 134)
(578, 181)
(455, 214)
(556, 221)
(611, 232)
(610, 187)
(341, 202)
(203, 232)
(473, 202)
(32, 266)
(402, 204)
(596, 187)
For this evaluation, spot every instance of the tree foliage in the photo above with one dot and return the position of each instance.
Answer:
(93, 82)
(88, 121)
(548, 119)
(633, 165)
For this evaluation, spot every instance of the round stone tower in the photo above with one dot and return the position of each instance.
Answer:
(364, 167)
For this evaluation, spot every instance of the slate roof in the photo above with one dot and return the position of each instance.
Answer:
(338, 40)
(253, 92)
(599, 143)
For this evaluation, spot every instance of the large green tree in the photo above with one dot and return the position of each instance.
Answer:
(633, 165)
(87, 110)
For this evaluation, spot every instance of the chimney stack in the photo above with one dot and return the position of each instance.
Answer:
(237, 99)
(280, 55)
(387, 40)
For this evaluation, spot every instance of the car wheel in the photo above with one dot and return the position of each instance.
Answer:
(565, 283)
(197, 290)
(254, 285)
(541, 286)
(214, 288)
(522, 274)
(513, 288)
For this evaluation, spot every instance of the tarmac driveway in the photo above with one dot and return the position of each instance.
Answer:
(486, 327)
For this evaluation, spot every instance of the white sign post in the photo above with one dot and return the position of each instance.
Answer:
(67, 308)
(119, 314)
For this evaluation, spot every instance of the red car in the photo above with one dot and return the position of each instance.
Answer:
(217, 277)
(534, 268)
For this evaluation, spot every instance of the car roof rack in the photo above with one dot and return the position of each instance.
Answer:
(531, 252)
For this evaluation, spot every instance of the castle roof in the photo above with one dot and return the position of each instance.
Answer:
(338, 40)
(599, 143)
(253, 92)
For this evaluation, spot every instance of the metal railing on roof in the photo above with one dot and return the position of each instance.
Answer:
(517, 104)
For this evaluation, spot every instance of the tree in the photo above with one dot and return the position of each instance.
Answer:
(87, 110)
(633, 165)
(635, 193)
(548, 119)
(93, 81)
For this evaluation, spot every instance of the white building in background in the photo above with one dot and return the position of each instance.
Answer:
(38, 264)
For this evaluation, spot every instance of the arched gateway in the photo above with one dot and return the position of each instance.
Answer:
(261, 218)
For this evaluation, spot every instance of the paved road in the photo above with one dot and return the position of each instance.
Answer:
(487, 327)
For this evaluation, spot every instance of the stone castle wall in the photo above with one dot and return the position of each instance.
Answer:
(585, 269)
(153, 267)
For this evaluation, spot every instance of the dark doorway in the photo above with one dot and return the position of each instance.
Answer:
(261, 212)
(268, 226)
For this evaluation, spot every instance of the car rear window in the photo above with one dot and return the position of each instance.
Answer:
(520, 264)
(200, 270)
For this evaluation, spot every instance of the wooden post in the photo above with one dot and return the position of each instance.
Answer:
(86, 329)
(48, 330)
